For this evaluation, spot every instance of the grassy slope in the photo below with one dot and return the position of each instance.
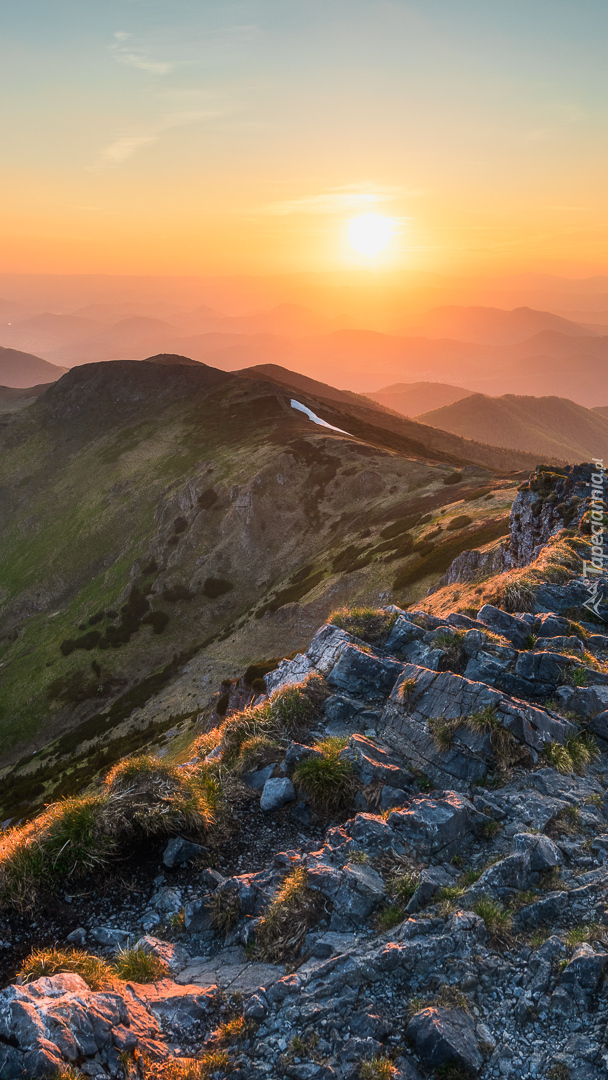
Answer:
(88, 506)
(547, 426)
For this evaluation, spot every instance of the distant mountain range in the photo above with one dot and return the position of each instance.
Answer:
(410, 399)
(20, 369)
(546, 426)
(490, 350)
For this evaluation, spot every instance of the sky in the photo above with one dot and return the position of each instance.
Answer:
(197, 137)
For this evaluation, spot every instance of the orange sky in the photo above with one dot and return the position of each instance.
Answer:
(170, 136)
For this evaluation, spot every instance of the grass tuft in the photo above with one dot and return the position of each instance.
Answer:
(497, 920)
(378, 1068)
(139, 966)
(328, 781)
(370, 624)
(577, 754)
(287, 918)
(97, 973)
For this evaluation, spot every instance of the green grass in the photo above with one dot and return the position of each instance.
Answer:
(139, 966)
(97, 973)
(328, 781)
(287, 918)
(497, 920)
(370, 624)
(81, 836)
(573, 757)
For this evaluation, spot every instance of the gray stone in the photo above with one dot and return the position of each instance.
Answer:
(258, 777)
(443, 1037)
(174, 956)
(373, 764)
(599, 725)
(364, 674)
(585, 969)
(391, 797)
(546, 910)
(110, 935)
(541, 851)
(436, 825)
(277, 793)
(297, 752)
(180, 851)
(514, 628)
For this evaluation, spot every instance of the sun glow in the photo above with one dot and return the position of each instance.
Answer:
(370, 234)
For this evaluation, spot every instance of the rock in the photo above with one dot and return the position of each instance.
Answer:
(436, 825)
(277, 793)
(543, 854)
(78, 936)
(180, 851)
(361, 890)
(391, 797)
(109, 935)
(586, 700)
(302, 813)
(445, 1037)
(429, 881)
(210, 878)
(542, 667)
(173, 956)
(512, 627)
(364, 674)
(256, 1008)
(546, 910)
(258, 777)
(297, 752)
(599, 725)
(403, 633)
(585, 969)
(374, 764)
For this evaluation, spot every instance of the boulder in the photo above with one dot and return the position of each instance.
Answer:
(373, 764)
(361, 673)
(173, 956)
(361, 890)
(257, 778)
(542, 853)
(179, 851)
(515, 628)
(546, 910)
(585, 969)
(445, 1037)
(436, 825)
(277, 793)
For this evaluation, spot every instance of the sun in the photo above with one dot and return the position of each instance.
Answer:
(370, 234)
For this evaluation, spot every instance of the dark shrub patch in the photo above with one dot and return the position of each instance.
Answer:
(180, 525)
(222, 704)
(150, 568)
(255, 672)
(111, 614)
(177, 592)
(453, 478)
(351, 558)
(459, 522)
(214, 587)
(207, 499)
(259, 686)
(438, 560)
(88, 641)
(157, 620)
(401, 525)
(67, 646)
(172, 541)
(97, 618)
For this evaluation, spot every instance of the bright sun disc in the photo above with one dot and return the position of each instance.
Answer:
(370, 234)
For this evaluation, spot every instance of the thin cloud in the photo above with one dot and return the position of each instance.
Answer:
(125, 53)
(128, 144)
(336, 201)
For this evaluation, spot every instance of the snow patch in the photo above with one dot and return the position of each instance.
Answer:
(316, 419)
